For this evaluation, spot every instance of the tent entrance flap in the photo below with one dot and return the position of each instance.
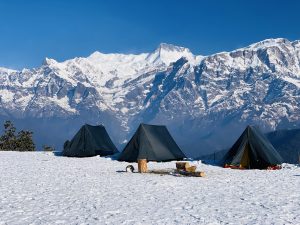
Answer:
(245, 161)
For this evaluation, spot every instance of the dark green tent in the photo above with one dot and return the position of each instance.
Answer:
(90, 141)
(153, 143)
(252, 151)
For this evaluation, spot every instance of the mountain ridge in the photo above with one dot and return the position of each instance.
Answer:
(193, 95)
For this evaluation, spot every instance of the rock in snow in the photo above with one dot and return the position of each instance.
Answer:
(39, 188)
(200, 98)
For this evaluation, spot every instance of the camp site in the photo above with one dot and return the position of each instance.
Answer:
(92, 182)
(149, 112)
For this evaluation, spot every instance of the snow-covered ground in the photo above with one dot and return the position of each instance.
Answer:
(40, 188)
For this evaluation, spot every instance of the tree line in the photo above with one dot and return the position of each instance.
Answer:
(12, 141)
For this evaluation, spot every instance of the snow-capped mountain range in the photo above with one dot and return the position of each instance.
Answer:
(204, 100)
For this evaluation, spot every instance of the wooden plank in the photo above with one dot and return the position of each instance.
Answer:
(192, 174)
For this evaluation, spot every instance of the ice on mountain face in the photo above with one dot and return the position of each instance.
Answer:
(111, 65)
(63, 103)
(6, 96)
(293, 81)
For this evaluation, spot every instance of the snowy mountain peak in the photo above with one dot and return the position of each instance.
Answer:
(48, 62)
(296, 43)
(96, 56)
(5, 70)
(171, 48)
(270, 43)
(168, 53)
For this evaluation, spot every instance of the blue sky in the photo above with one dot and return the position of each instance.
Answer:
(34, 29)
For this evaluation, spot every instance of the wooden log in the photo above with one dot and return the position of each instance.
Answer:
(182, 165)
(192, 174)
(191, 169)
(142, 165)
(199, 174)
